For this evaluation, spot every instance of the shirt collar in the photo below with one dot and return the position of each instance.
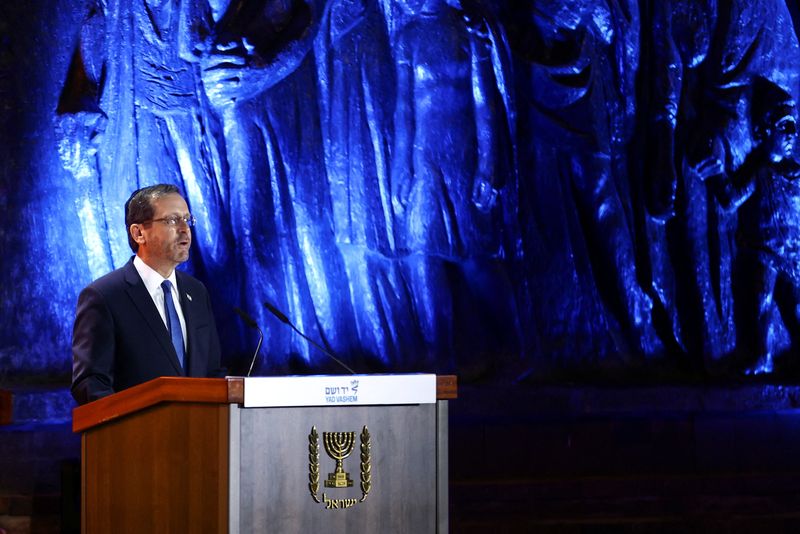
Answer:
(151, 278)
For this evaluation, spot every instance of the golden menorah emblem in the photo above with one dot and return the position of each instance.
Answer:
(339, 445)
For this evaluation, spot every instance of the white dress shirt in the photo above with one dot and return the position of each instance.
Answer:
(152, 282)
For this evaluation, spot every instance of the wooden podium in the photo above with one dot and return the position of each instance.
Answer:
(199, 455)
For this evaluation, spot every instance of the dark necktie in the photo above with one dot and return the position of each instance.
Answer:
(173, 323)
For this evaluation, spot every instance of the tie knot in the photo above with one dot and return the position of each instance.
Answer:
(167, 286)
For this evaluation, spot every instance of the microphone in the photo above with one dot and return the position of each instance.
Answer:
(252, 324)
(282, 318)
(279, 314)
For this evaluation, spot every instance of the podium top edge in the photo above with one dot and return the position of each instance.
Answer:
(229, 390)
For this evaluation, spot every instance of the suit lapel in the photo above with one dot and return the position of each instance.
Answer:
(144, 303)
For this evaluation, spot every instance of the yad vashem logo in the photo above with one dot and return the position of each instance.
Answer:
(339, 446)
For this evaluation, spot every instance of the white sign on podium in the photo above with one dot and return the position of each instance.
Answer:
(339, 390)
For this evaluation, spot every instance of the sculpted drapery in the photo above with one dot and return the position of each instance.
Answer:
(447, 184)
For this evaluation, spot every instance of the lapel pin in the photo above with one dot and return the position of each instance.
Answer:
(188, 296)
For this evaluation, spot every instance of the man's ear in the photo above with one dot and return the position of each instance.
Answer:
(136, 233)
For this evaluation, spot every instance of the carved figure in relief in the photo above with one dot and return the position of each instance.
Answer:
(451, 157)
(133, 113)
(356, 91)
(766, 191)
(259, 71)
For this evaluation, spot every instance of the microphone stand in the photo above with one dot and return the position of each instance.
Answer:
(282, 318)
(249, 321)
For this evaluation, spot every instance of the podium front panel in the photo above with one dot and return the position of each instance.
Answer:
(334, 469)
(161, 470)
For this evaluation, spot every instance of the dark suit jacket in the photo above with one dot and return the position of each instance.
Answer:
(119, 339)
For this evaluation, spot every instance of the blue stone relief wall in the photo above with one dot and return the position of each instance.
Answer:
(507, 189)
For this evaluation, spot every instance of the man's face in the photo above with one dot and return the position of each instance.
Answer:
(166, 245)
(781, 142)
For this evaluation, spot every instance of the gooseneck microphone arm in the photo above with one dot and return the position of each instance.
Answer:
(252, 324)
(282, 318)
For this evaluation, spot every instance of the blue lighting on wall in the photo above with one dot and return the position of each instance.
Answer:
(470, 186)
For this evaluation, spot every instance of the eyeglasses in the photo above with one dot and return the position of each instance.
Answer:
(173, 220)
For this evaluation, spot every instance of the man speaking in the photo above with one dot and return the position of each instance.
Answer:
(145, 319)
